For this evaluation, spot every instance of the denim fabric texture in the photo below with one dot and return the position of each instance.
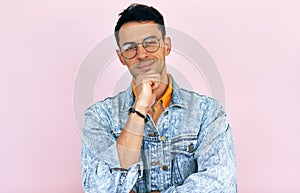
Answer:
(190, 149)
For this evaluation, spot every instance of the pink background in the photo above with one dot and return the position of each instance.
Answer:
(254, 43)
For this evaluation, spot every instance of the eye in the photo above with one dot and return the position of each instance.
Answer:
(128, 47)
(150, 42)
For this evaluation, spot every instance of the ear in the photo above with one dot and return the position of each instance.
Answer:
(120, 57)
(167, 46)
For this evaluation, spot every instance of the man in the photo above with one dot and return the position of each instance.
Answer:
(155, 136)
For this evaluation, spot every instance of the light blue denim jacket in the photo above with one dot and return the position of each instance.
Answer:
(190, 149)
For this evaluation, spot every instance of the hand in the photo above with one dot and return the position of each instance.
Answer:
(146, 87)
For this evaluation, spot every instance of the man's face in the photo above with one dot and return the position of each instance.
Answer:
(135, 38)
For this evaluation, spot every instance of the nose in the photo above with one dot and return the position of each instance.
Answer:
(141, 52)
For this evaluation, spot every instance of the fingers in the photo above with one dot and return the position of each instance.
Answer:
(155, 85)
(146, 87)
(151, 78)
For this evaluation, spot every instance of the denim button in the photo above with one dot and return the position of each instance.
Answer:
(163, 138)
(165, 167)
(191, 148)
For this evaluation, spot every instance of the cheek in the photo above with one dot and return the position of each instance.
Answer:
(161, 54)
(130, 63)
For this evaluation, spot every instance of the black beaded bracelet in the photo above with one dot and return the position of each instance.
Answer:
(132, 110)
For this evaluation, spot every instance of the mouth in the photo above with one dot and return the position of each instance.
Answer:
(145, 65)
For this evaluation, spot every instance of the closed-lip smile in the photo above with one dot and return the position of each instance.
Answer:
(145, 64)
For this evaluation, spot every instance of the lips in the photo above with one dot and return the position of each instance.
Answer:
(145, 64)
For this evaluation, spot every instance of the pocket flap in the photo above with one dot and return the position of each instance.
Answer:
(184, 144)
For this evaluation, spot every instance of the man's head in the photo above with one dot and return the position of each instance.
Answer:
(140, 13)
(140, 35)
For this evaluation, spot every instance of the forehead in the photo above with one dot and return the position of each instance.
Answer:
(137, 31)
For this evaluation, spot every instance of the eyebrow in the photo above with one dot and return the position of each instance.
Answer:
(125, 43)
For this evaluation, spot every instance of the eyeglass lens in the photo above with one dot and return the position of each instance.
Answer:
(150, 44)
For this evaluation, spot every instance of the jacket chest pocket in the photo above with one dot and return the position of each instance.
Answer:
(182, 153)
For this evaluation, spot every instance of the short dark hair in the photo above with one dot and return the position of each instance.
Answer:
(139, 13)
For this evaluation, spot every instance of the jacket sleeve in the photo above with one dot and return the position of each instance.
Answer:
(215, 157)
(101, 170)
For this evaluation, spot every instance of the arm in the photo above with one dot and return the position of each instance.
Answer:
(130, 140)
(215, 157)
(110, 164)
(101, 170)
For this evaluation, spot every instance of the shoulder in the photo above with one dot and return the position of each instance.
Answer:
(193, 99)
(110, 103)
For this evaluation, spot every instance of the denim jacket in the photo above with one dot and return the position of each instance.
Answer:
(190, 149)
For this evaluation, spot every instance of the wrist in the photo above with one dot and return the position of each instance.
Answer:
(138, 113)
(141, 108)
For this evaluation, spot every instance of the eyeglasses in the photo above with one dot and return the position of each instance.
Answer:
(150, 44)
